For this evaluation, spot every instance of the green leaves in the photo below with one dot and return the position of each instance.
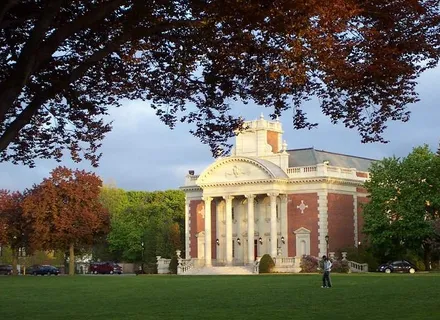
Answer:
(405, 200)
(154, 219)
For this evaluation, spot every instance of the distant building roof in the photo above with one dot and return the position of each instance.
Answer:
(311, 157)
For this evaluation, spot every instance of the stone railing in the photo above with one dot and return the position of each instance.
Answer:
(190, 179)
(357, 267)
(256, 266)
(319, 170)
(287, 264)
(325, 170)
(184, 265)
(163, 265)
(284, 261)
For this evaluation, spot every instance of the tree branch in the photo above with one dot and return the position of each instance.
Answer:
(11, 88)
(32, 57)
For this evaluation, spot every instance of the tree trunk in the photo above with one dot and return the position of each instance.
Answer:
(14, 261)
(71, 260)
(427, 257)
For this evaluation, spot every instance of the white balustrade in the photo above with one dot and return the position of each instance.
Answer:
(191, 179)
(326, 170)
(163, 265)
(184, 266)
(358, 267)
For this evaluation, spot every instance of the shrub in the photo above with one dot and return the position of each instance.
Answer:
(414, 258)
(420, 265)
(173, 265)
(340, 266)
(309, 264)
(150, 268)
(266, 264)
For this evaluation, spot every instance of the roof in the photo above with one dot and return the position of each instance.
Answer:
(276, 171)
(311, 157)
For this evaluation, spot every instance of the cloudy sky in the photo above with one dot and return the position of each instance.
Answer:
(143, 154)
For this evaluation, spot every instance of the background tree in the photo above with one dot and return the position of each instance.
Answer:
(115, 200)
(64, 63)
(405, 203)
(15, 228)
(155, 219)
(67, 211)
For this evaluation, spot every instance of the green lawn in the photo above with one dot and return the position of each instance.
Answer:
(372, 296)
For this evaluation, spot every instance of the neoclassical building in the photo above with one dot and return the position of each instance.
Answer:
(264, 198)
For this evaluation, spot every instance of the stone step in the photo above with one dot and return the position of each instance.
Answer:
(220, 271)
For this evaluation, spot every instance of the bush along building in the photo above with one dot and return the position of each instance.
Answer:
(267, 199)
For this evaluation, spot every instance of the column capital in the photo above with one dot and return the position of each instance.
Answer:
(273, 194)
(250, 196)
(207, 198)
(228, 197)
(283, 198)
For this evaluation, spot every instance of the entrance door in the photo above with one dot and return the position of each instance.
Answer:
(255, 249)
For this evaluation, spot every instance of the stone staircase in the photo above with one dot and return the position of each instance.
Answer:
(235, 270)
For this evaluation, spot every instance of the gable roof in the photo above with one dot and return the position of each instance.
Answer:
(311, 156)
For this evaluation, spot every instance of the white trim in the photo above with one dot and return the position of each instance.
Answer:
(302, 235)
(187, 229)
(322, 221)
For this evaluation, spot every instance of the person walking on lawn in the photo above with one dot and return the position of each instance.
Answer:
(326, 282)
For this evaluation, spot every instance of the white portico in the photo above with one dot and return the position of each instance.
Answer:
(249, 216)
(265, 199)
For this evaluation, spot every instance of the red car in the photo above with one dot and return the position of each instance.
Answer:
(105, 268)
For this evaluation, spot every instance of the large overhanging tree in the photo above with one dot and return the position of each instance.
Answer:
(64, 63)
(404, 211)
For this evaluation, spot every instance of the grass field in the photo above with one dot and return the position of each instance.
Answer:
(370, 296)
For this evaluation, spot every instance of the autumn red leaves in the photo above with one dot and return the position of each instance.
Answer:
(65, 64)
(63, 212)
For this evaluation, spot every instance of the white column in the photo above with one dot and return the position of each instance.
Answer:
(228, 229)
(322, 221)
(187, 240)
(273, 224)
(208, 257)
(250, 229)
(284, 226)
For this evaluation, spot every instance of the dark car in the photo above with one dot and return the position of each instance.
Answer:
(6, 269)
(42, 270)
(105, 268)
(397, 266)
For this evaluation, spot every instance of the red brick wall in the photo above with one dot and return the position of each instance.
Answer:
(213, 229)
(272, 139)
(308, 220)
(197, 225)
(340, 221)
(360, 201)
(362, 174)
(361, 190)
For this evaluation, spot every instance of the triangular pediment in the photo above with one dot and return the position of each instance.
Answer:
(301, 230)
(235, 169)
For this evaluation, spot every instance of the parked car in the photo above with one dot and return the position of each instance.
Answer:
(6, 269)
(42, 270)
(105, 268)
(397, 266)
